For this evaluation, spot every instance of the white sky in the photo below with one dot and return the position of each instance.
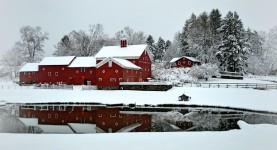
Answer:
(156, 17)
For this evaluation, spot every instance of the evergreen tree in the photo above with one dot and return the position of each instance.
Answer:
(233, 49)
(150, 42)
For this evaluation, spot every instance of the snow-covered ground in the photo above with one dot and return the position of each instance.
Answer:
(233, 97)
(254, 137)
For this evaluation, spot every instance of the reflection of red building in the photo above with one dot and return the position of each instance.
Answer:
(113, 64)
(28, 73)
(106, 119)
(183, 62)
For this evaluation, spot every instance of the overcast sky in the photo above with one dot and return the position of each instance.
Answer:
(156, 17)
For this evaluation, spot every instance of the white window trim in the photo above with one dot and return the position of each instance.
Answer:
(112, 79)
(99, 79)
(110, 63)
(100, 115)
(56, 73)
(112, 116)
(49, 74)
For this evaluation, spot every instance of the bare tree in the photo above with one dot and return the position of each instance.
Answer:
(132, 36)
(32, 42)
(82, 43)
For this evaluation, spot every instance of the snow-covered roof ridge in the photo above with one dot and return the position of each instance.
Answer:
(121, 62)
(187, 57)
(32, 67)
(83, 62)
(60, 60)
(131, 51)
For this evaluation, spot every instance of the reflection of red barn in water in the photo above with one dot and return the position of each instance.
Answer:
(105, 119)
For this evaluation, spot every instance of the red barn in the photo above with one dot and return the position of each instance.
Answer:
(111, 71)
(82, 71)
(28, 73)
(183, 62)
(54, 69)
(137, 54)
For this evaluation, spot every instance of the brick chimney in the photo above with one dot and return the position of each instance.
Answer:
(123, 42)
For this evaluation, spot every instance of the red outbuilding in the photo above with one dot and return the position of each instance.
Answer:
(183, 62)
(28, 73)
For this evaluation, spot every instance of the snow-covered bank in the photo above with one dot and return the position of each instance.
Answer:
(247, 138)
(232, 97)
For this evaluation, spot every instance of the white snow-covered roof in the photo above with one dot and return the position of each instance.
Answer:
(174, 59)
(83, 128)
(61, 60)
(121, 62)
(131, 51)
(192, 59)
(83, 62)
(189, 58)
(29, 67)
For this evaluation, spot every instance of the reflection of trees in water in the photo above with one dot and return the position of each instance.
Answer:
(10, 123)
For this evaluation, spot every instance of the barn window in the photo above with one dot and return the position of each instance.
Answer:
(77, 71)
(25, 73)
(184, 62)
(103, 71)
(56, 73)
(90, 71)
(112, 115)
(49, 115)
(99, 115)
(49, 73)
(99, 79)
(83, 69)
(189, 62)
(33, 73)
(103, 123)
(110, 63)
(112, 80)
(116, 71)
(62, 68)
(43, 69)
(56, 116)
(179, 63)
(120, 79)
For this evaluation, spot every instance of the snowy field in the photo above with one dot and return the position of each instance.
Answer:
(233, 97)
(253, 137)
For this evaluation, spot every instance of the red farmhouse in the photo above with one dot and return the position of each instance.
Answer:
(136, 54)
(28, 73)
(183, 62)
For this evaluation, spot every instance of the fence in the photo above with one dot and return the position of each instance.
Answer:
(54, 86)
(237, 85)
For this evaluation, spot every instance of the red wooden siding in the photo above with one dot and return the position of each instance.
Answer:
(28, 77)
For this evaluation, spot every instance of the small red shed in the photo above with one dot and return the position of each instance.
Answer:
(28, 73)
(183, 62)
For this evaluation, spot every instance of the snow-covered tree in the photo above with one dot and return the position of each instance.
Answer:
(82, 43)
(204, 71)
(132, 36)
(32, 42)
(233, 49)
(12, 61)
